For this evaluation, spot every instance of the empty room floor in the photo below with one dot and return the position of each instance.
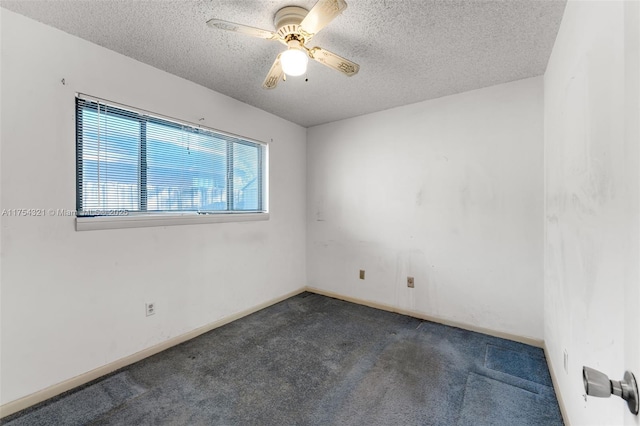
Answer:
(315, 360)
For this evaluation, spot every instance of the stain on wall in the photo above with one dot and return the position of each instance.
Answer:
(448, 191)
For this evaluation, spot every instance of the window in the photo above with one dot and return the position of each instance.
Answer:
(131, 163)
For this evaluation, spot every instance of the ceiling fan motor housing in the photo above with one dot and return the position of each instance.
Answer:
(287, 21)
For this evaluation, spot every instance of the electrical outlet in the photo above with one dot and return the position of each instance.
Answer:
(362, 274)
(151, 308)
(566, 362)
(410, 282)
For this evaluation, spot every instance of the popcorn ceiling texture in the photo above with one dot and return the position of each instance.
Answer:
(408, 50)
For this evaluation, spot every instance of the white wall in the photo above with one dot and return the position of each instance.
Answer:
(591, 191)
(449, 191)
(73, 301)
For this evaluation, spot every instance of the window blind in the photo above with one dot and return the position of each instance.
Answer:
(133, 161)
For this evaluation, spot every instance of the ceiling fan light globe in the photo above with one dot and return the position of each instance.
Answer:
(294, 62)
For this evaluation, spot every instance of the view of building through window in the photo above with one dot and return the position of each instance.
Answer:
(134, 162)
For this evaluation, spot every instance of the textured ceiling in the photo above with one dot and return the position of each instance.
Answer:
(408, 50)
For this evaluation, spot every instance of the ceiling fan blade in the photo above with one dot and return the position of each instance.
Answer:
(321, 14)
(242, 29)
(275, 74)
(334, 61)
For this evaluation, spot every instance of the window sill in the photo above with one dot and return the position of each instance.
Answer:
(142, 221)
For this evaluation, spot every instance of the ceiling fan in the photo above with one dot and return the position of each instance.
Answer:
(295, 26)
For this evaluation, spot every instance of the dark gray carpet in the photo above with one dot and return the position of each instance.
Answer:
(85, 405)
(314, 360)
(491, 402)
(518, 364)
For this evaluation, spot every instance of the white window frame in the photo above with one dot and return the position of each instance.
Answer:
(143, 219)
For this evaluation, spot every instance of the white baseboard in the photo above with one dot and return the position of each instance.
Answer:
(522, 339)
(57, 389)
(556, 388)
(44, 394)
